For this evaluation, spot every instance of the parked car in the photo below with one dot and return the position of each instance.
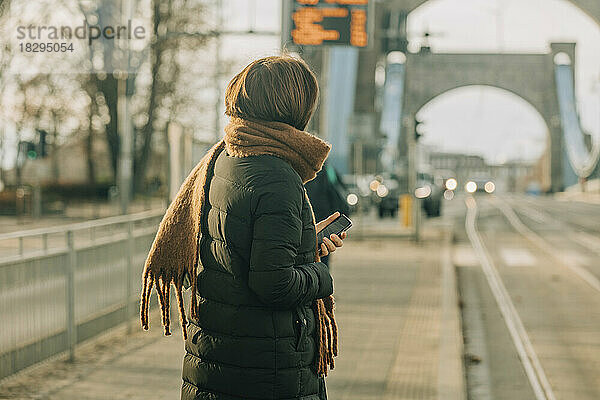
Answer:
(480, 184)
(387, 191)
(386, 194)
(430, 193)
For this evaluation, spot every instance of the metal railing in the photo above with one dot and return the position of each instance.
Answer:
(62, 285)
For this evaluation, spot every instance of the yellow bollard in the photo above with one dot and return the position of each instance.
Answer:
(406, 208)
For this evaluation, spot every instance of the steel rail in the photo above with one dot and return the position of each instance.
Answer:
(529, 359)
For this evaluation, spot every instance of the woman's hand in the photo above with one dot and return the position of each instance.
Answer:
(330, 244)
(334, 241)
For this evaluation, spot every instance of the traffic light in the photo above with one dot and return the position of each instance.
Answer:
(28, 149)
(31, 150)
(418, 129)
(32, 153)
(393, 28)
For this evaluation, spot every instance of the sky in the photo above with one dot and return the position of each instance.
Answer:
(489, 121)
(478, 120)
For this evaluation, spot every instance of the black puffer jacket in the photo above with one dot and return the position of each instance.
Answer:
(255, 336)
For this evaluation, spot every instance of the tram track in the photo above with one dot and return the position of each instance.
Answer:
(545, 246)
(520, 338)
(581, 235)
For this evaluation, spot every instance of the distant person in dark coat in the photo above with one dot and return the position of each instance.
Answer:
(326, 195)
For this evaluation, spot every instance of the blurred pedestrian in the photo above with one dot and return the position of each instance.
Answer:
(326, 195)
(241, 227)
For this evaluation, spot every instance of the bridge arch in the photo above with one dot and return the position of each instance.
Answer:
(529, 76)
(452, 88)
(524, 107)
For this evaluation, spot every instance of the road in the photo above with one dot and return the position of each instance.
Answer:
(529, 281)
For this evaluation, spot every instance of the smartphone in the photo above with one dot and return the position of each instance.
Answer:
(339, 225)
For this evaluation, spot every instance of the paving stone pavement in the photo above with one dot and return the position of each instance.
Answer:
(399, 337)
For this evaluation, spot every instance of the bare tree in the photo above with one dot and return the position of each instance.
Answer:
(176, 25)
(39, 101)
(178, 31)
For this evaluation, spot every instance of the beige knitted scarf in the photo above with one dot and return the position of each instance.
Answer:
(175, 248)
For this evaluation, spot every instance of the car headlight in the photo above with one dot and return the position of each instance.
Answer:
(382, 190)
(471, 187)
(374, 185)
(423, 192)
(352, 199)
(451, 184)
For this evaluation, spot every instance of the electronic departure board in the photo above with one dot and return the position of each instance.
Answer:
(321, 22)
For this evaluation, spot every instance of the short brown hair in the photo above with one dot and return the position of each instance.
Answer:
(277, 88)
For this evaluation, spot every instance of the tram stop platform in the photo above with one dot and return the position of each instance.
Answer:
(399, 324)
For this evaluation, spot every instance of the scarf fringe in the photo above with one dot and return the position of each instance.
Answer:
(327, 332)
(162, 276)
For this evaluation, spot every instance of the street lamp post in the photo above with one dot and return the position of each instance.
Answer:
(217, 70)
(124, 118)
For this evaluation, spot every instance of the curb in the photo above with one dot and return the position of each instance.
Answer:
(451, 372)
